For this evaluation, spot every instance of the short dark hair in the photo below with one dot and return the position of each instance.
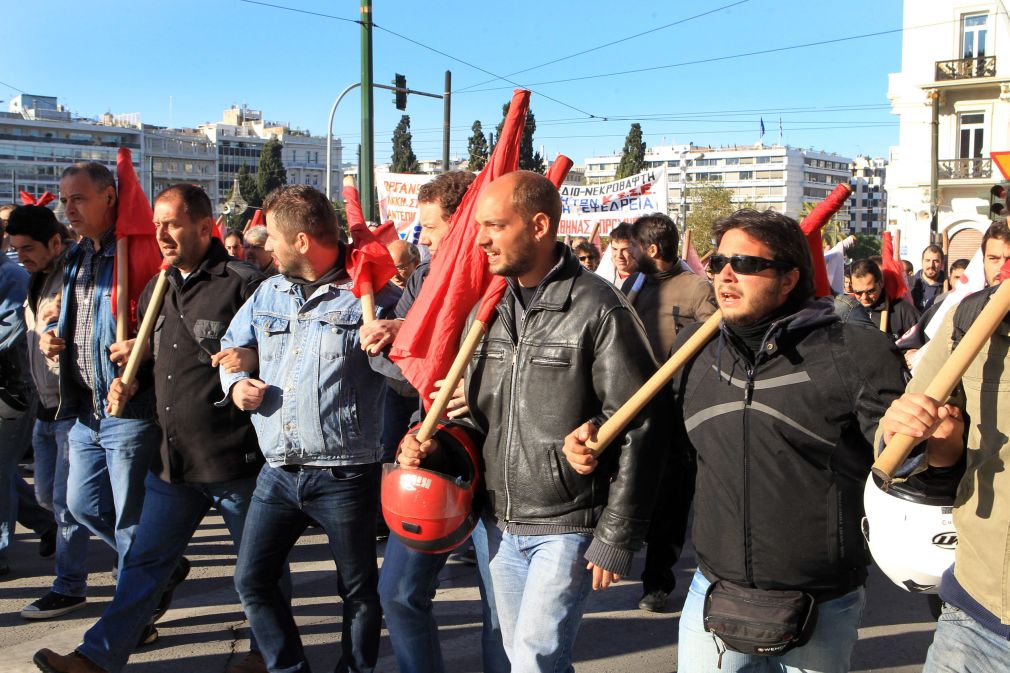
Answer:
(621, 232)
(997, 230)
(865, 267)
(933, 247)
(533, 193)
(963, 263)
(589, 249)
(101, 177)
(907, 266)
(37, 222)
(234, 232)
(446, 190)
(195, 201)
(781, 235)
(300, 208)
(658, 230)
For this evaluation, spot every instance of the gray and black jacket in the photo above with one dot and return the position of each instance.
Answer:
(784, 447)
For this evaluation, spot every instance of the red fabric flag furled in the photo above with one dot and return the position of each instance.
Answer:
(29, 200)
(894, 274)
(256, 221)
(429, 338)
(370, 264)
(135, 225)
(812, 225)
(218, 228)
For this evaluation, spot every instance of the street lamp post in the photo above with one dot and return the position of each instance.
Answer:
(329, 139)
(684, 159)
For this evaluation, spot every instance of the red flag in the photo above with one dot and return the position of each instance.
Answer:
(812, 225)
(135, 223)
(429, 337)
(370, 263)
(29, 200)
(218, 228)
(256, 221)
(894, 273)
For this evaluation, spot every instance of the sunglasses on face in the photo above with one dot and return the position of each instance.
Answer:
(745, 264)
(584, 258)
(869, 292)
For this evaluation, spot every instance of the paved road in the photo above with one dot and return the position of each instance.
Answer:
(205, 632)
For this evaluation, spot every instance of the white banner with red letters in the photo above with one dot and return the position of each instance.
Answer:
(612, 203)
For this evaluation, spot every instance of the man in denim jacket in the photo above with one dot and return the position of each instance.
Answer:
(316, 407)
(109, 456)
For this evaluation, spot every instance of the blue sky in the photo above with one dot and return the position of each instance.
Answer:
(120, 56)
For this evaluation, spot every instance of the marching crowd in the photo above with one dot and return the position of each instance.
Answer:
(263, 394)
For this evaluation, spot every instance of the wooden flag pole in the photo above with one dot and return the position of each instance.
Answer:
(616, 423)
(452, 379)
(144, 334)
(940, 388)
(122, 289)
(897, 245)
(367, 302)
(594, 231)
(686, 245)
(884, 316)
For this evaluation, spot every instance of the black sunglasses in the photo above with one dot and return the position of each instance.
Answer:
(745, 264)
(584, 258)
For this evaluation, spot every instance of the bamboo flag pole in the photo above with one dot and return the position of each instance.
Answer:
(144, 334)
(616, 423)
(940, 388)
(492, 296)
(122, 289)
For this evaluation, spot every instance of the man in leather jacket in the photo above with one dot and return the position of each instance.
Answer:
(564, 348)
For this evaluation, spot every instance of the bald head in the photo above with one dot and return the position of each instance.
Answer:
(518, 215)
(406, 258)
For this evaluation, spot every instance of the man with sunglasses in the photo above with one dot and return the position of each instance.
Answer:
(780, 408)
(868, 288)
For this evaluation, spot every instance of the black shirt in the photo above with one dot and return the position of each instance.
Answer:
(201, 443)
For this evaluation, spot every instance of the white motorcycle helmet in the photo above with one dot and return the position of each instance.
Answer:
(911, 533)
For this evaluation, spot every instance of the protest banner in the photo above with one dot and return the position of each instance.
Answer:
(602, 207)
(398, 200)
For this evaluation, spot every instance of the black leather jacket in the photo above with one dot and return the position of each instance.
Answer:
(578, 355)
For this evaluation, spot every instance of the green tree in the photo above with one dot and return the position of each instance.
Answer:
(866, 245)
(271, 173)
(247, 185)
(709, 203)
(528, 159)
(404, 160)
(633, 157)
(478, 148)
(836, 228)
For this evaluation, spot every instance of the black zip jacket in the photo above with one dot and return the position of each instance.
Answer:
(201, 443)
(578, 355)
(784, 449)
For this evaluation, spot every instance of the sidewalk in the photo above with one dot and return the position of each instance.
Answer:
(205, 631)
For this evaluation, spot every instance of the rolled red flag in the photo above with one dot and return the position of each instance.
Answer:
(812, 225)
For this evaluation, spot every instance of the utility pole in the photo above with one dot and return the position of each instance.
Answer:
(934, 160)
(366, 172)
(446, 107)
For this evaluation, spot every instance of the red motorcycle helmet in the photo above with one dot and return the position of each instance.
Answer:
(431, 509)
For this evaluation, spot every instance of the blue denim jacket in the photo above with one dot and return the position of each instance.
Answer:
(323, 406)
(72, 399)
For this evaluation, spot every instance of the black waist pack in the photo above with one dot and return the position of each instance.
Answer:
(764, 622)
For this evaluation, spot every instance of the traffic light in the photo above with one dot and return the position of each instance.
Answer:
(998, 203)
(400, 95)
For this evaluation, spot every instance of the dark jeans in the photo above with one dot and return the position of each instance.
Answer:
(397, 411)
(668, 526)
(344, 501)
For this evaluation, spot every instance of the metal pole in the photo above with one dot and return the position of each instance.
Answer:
(446, 107)
(934, 160)
(329, 139)
(365, 176)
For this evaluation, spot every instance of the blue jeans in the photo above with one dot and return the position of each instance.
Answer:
(109, 460)
(171, 514)
(962, 645)
(407, 587)
(52, 464)
(541, 586)
(17, 499)
(344, 501)
(828, 650)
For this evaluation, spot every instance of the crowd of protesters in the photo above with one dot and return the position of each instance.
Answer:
(264, 394)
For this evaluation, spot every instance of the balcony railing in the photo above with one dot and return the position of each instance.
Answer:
(966, 68)
(964, 169)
